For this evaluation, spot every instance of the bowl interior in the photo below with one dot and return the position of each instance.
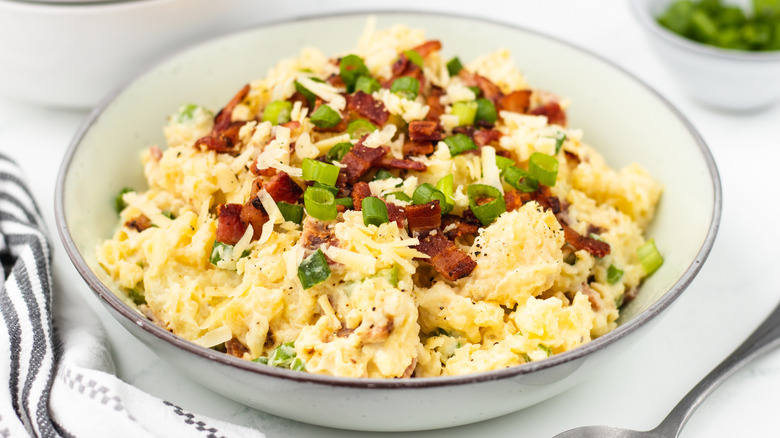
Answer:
(620, 116)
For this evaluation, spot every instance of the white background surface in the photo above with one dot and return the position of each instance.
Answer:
(734, 291)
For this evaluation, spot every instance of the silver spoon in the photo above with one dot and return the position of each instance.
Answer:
(766, 337)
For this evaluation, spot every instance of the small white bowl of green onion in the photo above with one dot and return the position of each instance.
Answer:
(726, 54)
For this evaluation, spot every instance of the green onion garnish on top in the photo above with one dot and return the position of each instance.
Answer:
(520, 179)
(401, 196)
(277, 112)
(454, 66)
(406, 87)
(291, 212)
(313, 270)
(374, 211)
(222, 251)
(310, 97)
(346, 202)
(318, 171)
(186, 112)
(446, 186)
(383, 174)
(119, 201)
(360, 127)
(351, 67)
(459, 143)
(320, 203)
(319, 185)
(389, 274)
(649, 256)
(325, 117)
(559, 139)
(337, 152)
(137, 296)
(414, 56)
(489, 211)
(614, 274)
(503, 162)
(426, 193)
(544, 168)
(367, 84)
(486, 112)
(465, 112)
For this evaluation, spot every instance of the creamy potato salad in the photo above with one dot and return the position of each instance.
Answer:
(388, 213)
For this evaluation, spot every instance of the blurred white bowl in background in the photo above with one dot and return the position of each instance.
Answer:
(72, 55)
(724, 79)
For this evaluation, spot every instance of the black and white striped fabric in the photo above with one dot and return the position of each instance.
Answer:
(58, 371)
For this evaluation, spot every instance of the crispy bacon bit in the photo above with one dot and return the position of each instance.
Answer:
(218, 144)
(254, 213)
(464, 226)
(315, 233)
(423, 130)
(410, 369)
(596, 303)
(428, 47)
(417, 148)
(404, 67)
(484, 137)
(596, 247)
(360, 191)
(395, 214)
(423, 217)
(449, 260)
(397, 163)
(555, 114)
(156, 153)
(368, 107)
(235, 348)
(282, 188)
(515, 199)
(336, 81)
(139, 223)
(489, 89)
(433, 100)
(517, 101)
(298, 97)
(359, 160)
(230, 227)
(224, 117)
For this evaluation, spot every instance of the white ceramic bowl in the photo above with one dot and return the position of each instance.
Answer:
(650, 133)
(73, 54)
(723, 79)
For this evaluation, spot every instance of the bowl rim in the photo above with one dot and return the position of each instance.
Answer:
(643, 16)
(117, 305)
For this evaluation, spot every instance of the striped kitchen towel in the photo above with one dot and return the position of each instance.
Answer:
(60, 377)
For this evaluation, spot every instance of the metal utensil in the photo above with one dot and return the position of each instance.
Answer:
(766, 337)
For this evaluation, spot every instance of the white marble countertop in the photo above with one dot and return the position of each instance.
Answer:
(734, 291)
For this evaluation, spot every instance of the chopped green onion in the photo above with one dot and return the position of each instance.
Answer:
(426, 193)
(324, 173)
(319, 185)
(546, 349)
(486, 112)
(486, 213)
(325, 117)
(367, 84)
(351, 67)
(414, 56)
(313, 270)
(291, 212)
(465, 112)
(311, 97)
(571, 259)
(186, 112)
(476, 90)
(374, 211)
(346, 202)
(298, 364)
(614, 274)
(559, 139)
(459, 143)
(283, 356)
(503, 163)
(222, 251)
(401, 196)
(454, 66)
(406, 87)
(119, 201)
(137, 296)
(446, 185)
(383, 174)
(520, 179)
(649, 257)
(277, 112)
(389, 274)
(168, 214)
(526, 357)
(262, 359)
(337, 152)
(320, 203)
(544, 168)
(360, 127)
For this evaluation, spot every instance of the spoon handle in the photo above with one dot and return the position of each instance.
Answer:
(765, 337)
